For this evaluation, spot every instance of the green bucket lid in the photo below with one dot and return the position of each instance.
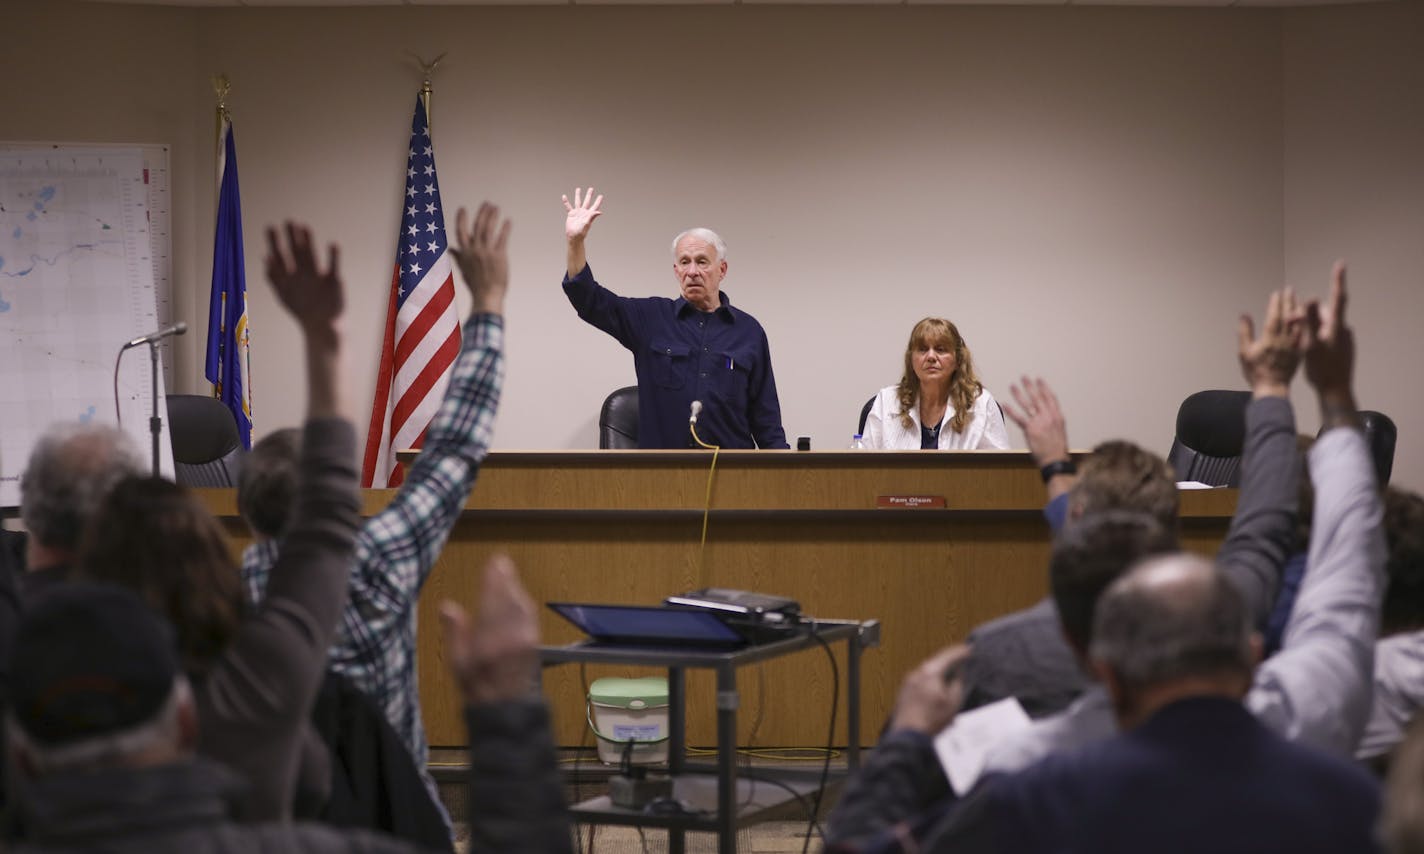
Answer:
(643, 693)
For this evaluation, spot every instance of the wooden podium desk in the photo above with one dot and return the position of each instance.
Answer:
(624, 526)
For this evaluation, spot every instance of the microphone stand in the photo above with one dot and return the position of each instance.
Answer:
(155, 424)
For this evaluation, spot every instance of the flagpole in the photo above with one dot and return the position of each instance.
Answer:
(221, 86)
(426, 70)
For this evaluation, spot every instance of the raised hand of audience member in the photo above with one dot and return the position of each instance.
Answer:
(581, 213)
(1041, 420)
(316, 299)
(313, 296)
(494, 659)
(1329, 348)
(932, 693)
(482, 252)
(1269, 362)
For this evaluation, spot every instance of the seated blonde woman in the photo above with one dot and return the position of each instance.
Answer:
(940, 403)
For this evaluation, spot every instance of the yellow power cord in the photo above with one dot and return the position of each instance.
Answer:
(706, 506)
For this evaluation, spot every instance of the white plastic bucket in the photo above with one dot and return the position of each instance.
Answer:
(622, 711)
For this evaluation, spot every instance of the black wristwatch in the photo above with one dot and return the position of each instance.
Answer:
(1057, 467)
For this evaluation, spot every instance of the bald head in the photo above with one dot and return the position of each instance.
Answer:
(70, 470)
(1172, 620)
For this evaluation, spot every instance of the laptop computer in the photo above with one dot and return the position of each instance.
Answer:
(650, 625)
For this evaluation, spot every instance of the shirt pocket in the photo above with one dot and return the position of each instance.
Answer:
(733, 372)
(669, 364)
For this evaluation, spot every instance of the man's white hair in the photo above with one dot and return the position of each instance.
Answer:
(706, 235)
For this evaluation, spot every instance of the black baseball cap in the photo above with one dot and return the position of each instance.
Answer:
(89, 660)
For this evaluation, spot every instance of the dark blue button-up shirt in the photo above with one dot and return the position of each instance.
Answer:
(681, 354)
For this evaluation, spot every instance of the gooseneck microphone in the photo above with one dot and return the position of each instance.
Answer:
(696, 411)
(154, 337)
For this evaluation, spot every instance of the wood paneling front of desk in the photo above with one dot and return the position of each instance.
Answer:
(625, 526)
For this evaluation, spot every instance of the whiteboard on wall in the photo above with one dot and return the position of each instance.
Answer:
(77, 280)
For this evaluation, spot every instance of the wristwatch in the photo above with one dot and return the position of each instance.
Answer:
(1057, 467)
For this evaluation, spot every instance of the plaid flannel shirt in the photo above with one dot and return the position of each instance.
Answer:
(396, 548)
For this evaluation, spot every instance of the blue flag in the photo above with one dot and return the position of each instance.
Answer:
(227, 362)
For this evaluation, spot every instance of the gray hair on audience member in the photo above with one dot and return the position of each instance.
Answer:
(706, 235)
(70, 470)
(111, 749)
(1170, 618)
(267, 482)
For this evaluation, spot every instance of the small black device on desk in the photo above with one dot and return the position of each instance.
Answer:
(741, 603)
(760, 617)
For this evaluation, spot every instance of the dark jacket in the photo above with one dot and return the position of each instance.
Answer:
(516, 803)
(516, 797)
(1201, 774)
(182, 808)
(1023, 655)
(374, 781)
(255, 703)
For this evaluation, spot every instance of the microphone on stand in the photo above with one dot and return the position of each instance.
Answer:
(155, 424)
(696, 411)
(154, 337)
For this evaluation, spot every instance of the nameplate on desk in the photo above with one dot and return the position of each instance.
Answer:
(910, 502)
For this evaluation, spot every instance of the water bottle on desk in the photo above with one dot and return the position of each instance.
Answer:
(857, 442)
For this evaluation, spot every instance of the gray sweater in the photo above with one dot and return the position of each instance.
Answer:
(254, 704)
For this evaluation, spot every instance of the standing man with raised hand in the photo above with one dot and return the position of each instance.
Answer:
(696, 348)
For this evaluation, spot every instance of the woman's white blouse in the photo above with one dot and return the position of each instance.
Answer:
(883, 430)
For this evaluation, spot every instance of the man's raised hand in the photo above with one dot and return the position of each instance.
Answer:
(1041, 420)
(932, 693)
(313, 296)
(482, 251)
(1269, 362)
(581, 213)
(1329, 347)
(495, 656)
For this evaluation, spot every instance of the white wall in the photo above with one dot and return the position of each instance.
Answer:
(1354, 143)
(1092, 194)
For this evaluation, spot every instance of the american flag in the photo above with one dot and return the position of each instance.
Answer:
(422, 331)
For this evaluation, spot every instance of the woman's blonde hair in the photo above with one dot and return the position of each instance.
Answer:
(964, 385)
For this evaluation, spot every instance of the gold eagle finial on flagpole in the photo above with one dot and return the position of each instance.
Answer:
(427, 69)
(221, 86)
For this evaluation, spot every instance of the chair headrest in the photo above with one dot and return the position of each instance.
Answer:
(202, 428)
(1382, 436)
(1213, 422)
(620, 400)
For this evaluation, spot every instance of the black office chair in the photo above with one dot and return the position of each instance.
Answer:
(1211, 430)
(1380, 430)
(1381, 434)
(865, 413)
(618, 420)
(206, 448)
